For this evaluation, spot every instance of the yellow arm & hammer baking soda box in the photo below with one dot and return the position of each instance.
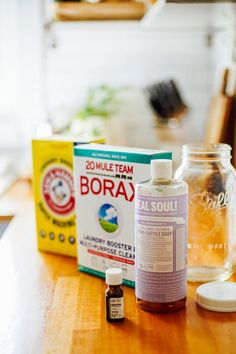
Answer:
(105, 178)
(54, 194)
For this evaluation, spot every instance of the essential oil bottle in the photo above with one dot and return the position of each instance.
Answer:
(161, 240)
(114, 295)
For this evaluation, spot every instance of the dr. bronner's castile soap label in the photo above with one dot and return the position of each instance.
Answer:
(105, 179)
(161, 240)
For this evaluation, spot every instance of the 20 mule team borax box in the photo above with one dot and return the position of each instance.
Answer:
(105, 178)
(54, 194)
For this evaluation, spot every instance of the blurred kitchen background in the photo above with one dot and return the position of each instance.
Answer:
(145, 74)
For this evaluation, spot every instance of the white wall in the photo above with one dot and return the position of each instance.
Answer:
(21, 66)
(34, 79)
(176, 46)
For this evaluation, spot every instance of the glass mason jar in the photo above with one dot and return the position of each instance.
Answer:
(212, 191)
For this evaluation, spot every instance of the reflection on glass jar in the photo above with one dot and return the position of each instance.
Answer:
(212, 190)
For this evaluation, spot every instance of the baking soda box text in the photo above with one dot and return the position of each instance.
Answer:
(105, 178)
(54, 194)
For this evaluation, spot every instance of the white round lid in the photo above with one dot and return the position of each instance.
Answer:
(217, 296)
(114, 276)
(161, 168)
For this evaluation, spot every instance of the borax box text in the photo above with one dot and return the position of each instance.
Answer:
(105, 178)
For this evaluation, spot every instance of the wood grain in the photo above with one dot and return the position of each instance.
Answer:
(46, 306)
(74, 11)
(220, 109)
(62, 316)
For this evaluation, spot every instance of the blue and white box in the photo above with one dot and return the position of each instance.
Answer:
(105, 178)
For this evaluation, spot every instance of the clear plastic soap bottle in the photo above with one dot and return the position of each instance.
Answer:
(161, 240)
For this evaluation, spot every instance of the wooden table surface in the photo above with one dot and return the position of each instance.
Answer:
(46, 306)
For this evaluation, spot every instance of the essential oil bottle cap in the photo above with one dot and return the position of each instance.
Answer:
(217, 296)
(161, 169)
(114, 276)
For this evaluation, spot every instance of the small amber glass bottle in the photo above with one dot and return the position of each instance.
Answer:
(114, 295)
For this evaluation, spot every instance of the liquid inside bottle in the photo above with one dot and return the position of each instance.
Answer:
(114, 295)
(161, 240)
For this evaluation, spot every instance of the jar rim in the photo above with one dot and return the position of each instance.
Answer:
(206, 148)
(205, 151)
